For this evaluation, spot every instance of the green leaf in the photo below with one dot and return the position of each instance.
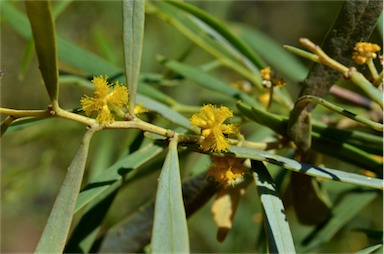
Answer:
(67, 51)
(281, 61)
(370, 249)
(208, 81)
(133, 33)
(106, 181)
(43, 30)
(57, 228)
(352, 202)
(315, 171)
(86, 231)
(202, 37)
(326, 140)
(133, 233)
(163, 110)
(279, 234)
(224, 33)
(170, 232)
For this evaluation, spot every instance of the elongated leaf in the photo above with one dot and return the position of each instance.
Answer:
(316, 171)
(133, 33)
(43, 30)
(114, 173)
(328, 140)
(134, 232)
(208, 81)
(67, 51)
(199, 36)
(88, 228)
(281, 61)
(279, 234)
(352, 203)
(221, 29)
(370, 249)
(170, 232)
(56, 230)
(163, 110)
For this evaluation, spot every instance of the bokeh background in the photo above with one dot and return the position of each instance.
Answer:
(34, 159)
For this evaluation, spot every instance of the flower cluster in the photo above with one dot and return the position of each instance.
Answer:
(269, 80)
(365, 51)
(105, 100)
(211, 121)
(226, 170)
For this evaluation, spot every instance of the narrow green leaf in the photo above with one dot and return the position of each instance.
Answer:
(43, 30)
(208, 81)
(133, 33)
(67, 51)
(221, 29)
(316, 171)
(314, 99)
(113, 174)
(200, 37)
(279, 234)
(370, 249)
(163, 110)
(133, 233)
(326, 140)
(87, 230)
(170, 232)
(56, 231)
(353, 201)
(280, 60)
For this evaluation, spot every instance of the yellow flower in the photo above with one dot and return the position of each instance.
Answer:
(226, 170)
(139, 109)
(365, 51)
(211, 121)
(266, 73)
(104, 101)
(269, 80)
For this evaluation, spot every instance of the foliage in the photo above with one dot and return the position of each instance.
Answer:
(247, 140)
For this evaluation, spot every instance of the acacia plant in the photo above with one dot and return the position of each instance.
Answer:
(249, 136)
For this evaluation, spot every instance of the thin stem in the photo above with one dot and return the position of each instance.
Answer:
(303, 53)
(378, 81)
(356, 77)
(323, 57)
(17, 113)
(372, 68)
(357, 118)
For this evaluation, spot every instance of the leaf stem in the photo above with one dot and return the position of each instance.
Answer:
(357, 118)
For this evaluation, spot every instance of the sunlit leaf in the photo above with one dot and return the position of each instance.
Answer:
(43, 30)
(279, 234)
(133, 33)
(208, 81)
(57, 228)
(134, 232)
(304, 168)
(113, 174)
(370, 249)
(170, 232)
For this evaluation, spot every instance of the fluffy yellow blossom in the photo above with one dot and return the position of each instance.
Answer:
(104, 100)
(365, 51)
(211, 121)
(226, 170)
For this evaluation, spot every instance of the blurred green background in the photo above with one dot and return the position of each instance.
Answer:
(34, 159)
